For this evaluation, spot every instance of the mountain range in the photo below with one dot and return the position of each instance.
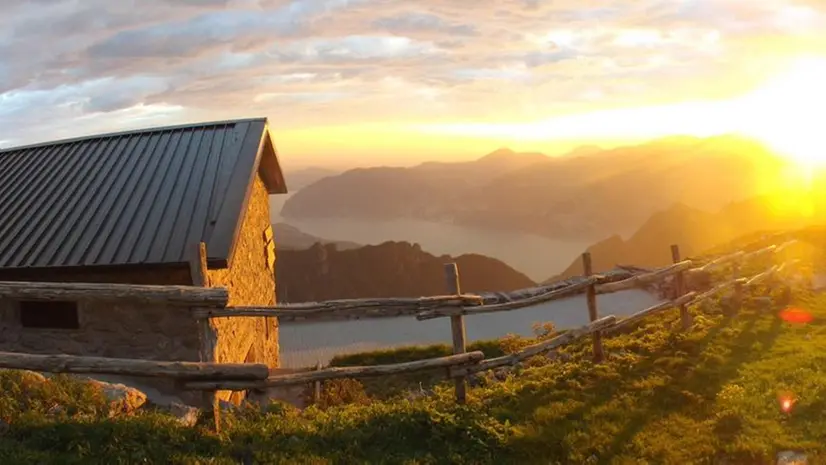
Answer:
(694, 231)
(392, 269)
(588, 193)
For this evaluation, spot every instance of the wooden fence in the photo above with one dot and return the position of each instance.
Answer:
(208, 303)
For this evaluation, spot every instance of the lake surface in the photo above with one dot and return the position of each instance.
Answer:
(304, 344)
(537, 257)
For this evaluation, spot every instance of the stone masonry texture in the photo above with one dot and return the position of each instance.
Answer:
(250, 282)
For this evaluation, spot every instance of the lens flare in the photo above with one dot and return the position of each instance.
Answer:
(786, 401)
(796, 315)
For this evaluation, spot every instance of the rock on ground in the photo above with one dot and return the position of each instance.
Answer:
(186, 414)
(791, 458)
(122, 399)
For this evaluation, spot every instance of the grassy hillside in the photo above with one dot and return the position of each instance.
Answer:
(709, 395)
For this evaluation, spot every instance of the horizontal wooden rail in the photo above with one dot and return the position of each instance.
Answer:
(717, 262)
(645, 278)
(536, 349)
(340, 372)
(128, 293)
(555, 294)
(733, 282)
(132, 367)
(685, 299)
(344, 309)
(698, 298)
(761, 276)
(740, 255)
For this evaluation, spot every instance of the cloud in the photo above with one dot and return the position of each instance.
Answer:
(201, 33)
(415, 22)
(76, 66)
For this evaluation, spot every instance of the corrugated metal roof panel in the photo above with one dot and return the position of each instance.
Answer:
(130, 198)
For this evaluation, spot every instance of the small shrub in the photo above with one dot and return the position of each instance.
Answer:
(545, 330)
(345, 391)
(728, 425)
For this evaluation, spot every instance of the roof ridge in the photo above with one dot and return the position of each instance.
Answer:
(132, 131)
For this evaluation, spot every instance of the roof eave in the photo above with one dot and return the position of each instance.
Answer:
(269, 166)
(108, 135)
(224, 250)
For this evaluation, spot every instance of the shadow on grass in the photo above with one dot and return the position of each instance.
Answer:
(679, 375)
(127, 440)
(661, 402)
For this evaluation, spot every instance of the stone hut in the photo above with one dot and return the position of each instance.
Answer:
(133, 207)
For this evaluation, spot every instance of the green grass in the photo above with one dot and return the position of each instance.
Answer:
(709, 395)
(391, 386)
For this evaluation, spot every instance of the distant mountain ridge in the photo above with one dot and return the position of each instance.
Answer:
(695, 231)
(291, 238)
(302, 177)
(392, 269)
(586, 193)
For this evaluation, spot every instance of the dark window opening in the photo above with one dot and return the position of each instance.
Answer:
(49, 314)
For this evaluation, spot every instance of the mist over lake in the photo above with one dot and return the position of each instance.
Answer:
(537, 257)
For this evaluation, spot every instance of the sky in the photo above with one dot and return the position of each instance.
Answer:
(395, 82)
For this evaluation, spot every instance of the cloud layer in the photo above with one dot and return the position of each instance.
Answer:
(70, 67)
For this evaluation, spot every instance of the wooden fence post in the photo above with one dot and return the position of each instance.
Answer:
(457, 326)
(317, 385)
(593, 312)
(679, 289)
(206, 332)
(737, 298)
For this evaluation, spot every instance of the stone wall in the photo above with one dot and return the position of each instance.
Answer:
(110, 330)
(250, 282)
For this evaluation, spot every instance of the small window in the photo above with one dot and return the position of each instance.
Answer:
(49, 314)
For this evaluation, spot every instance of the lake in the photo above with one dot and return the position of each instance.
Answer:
(537, 257)
(304, 344)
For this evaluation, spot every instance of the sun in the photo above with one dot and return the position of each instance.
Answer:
(788, 113)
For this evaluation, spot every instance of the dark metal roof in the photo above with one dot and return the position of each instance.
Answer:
(132, 198)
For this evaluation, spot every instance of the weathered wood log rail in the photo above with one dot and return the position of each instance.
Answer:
(132, 367)
(345, 308)
(538, 348)
(529, 302)
(207, 303)
(340, 372)
(186, 296)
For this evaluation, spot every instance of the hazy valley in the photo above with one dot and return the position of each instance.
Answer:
(626, 206)
(537, 213)
(585, 195)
